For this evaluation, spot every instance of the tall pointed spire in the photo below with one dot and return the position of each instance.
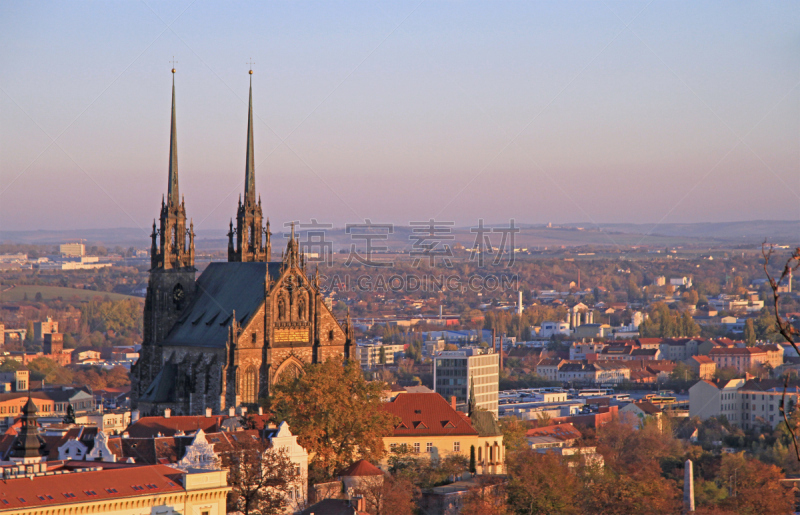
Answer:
(249, 170)
(174, 197)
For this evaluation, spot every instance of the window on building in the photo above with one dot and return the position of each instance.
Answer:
(250, 386)
(429, 447)
(416, 447)
(456, 446)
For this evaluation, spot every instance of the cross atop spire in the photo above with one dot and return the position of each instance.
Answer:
(249, 169)
(174, 196)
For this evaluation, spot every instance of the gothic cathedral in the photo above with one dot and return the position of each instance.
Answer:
(224, 339)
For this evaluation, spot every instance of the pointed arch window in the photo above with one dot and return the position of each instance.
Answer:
(250, 386)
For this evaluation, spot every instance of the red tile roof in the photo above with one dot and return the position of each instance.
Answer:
(80, 487)
(702, 359)
(427, 414)
(740, 351)
(361, 468)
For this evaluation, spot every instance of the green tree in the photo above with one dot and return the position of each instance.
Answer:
(682, 372)
(749, 333)
(337, 415)
(472, 459)
(10, 365)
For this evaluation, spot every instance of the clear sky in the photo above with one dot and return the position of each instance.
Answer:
(539, 111)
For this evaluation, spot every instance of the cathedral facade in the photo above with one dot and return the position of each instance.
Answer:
(223, 339)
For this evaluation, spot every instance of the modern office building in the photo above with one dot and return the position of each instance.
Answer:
(455, 372)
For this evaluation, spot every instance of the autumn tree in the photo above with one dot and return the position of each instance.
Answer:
(487, 498)
(261, 478)
(387, 495)
(541, 483)
(337, 415)
(641, 491)
(514, 430)
(754, 486)
(50, 371)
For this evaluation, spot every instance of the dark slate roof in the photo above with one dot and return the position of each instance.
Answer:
(162, 389)
(769, 385)
(330, 507)
(161, 450)
(222, 289)
(149, 427)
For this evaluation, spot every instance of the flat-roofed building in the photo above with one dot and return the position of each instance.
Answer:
(456, 372)
(44, 327)
(72, 249)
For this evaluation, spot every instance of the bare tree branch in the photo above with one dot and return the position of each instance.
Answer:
(787, 330)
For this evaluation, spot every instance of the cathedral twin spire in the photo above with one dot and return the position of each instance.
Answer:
(250, 241)
(170, 248)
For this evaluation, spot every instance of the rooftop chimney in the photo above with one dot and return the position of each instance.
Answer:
(231, 411)
(208, 412)
(167, 413)
(453, 401)
(260, 410)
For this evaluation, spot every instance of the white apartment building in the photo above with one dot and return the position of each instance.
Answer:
(679, 349)
(550, 329)
(369, 355)
(745, 404)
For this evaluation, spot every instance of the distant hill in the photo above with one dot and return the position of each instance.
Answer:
(785, 232)
(703, 234)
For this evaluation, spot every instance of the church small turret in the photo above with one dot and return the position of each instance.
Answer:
(28, 447)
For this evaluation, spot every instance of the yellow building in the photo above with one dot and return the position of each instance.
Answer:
(123, 490)
(32, 485)
(431, 427)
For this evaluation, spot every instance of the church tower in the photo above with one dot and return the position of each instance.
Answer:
(172, 274)
(28, 447)
(251, 240)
